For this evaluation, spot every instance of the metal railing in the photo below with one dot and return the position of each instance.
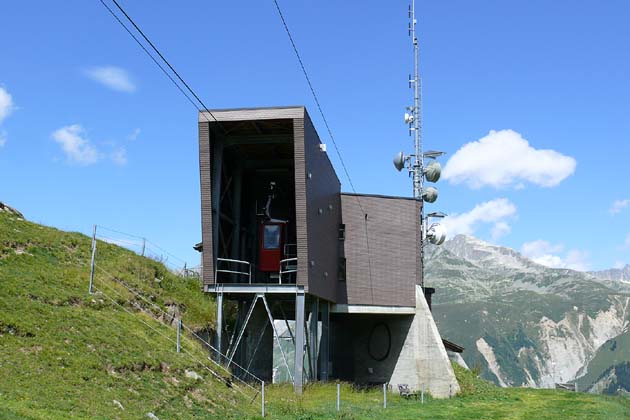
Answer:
(288, 266)
(236, 271)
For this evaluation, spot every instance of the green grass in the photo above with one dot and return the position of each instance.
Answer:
(67, 354)
(478, 400)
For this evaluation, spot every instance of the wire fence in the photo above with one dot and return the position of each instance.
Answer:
(147, 248)
(231, 374)
(163, 320)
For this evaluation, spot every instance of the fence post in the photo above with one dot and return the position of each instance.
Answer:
(385, 395)
(144, 244)
(422, 395)
(263, 399)
(450, 390)
(179, 333)
(92, 260)
(338, 394)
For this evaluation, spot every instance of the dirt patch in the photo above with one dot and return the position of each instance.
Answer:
(31, 350)
(12, 329)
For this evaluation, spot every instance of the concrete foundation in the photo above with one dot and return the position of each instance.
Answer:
(423, 359)
(372, 349)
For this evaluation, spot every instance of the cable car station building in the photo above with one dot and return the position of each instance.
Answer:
(326, 284)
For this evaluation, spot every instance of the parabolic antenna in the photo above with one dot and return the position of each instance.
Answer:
(433, 171)
(399, 161)
(436, 234)
(430, 194)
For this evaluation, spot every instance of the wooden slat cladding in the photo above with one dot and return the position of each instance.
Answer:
(382, 251)
(205, 173)
(323, 216)
(300, 203)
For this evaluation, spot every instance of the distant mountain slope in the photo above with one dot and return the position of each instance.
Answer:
(524, 323)
(616, 274)
(609, 369)
(65, 354)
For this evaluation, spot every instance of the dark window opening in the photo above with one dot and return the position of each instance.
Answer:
(342, 231)
(341, 275)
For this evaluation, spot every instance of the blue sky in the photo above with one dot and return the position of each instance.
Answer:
(92, 132)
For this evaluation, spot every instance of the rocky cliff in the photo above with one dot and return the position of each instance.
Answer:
(522, 323)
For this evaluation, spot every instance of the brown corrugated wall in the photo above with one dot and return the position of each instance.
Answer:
(382, 252)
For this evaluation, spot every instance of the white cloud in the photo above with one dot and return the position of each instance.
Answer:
(534, 248)
(494, 212)
(553, 255)
(6, 108)
(619, 264)
(134, 134)
(113, 77)
(75, 145)
(80, 150)
(500, 229)
(618, 206)
(577, 260)
(119, 156)
(6, 104)
(504, 158)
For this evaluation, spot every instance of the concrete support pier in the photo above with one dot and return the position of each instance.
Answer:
(423, 358)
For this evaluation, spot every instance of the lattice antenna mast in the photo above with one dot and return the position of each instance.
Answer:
(416, 111)
(414, 163)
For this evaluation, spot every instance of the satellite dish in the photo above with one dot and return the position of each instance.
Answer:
(433, 171)
(408, 118)
(430, 194)
(399, 161)
(436, 234)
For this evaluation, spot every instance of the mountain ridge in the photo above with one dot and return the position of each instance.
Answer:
(525, 324)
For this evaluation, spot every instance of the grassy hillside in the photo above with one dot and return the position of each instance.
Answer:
(67, 354)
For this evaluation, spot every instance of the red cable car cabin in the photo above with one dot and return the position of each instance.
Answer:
(271, 243)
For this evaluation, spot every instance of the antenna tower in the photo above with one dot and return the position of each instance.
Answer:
(436, 234)
(416, 109)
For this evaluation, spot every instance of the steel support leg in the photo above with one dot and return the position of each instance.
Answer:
(219, 321)
(313, 330)
(298, 377)
(324, 348)
(240, 335)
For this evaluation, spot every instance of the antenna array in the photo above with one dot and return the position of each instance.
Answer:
(414, 163)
